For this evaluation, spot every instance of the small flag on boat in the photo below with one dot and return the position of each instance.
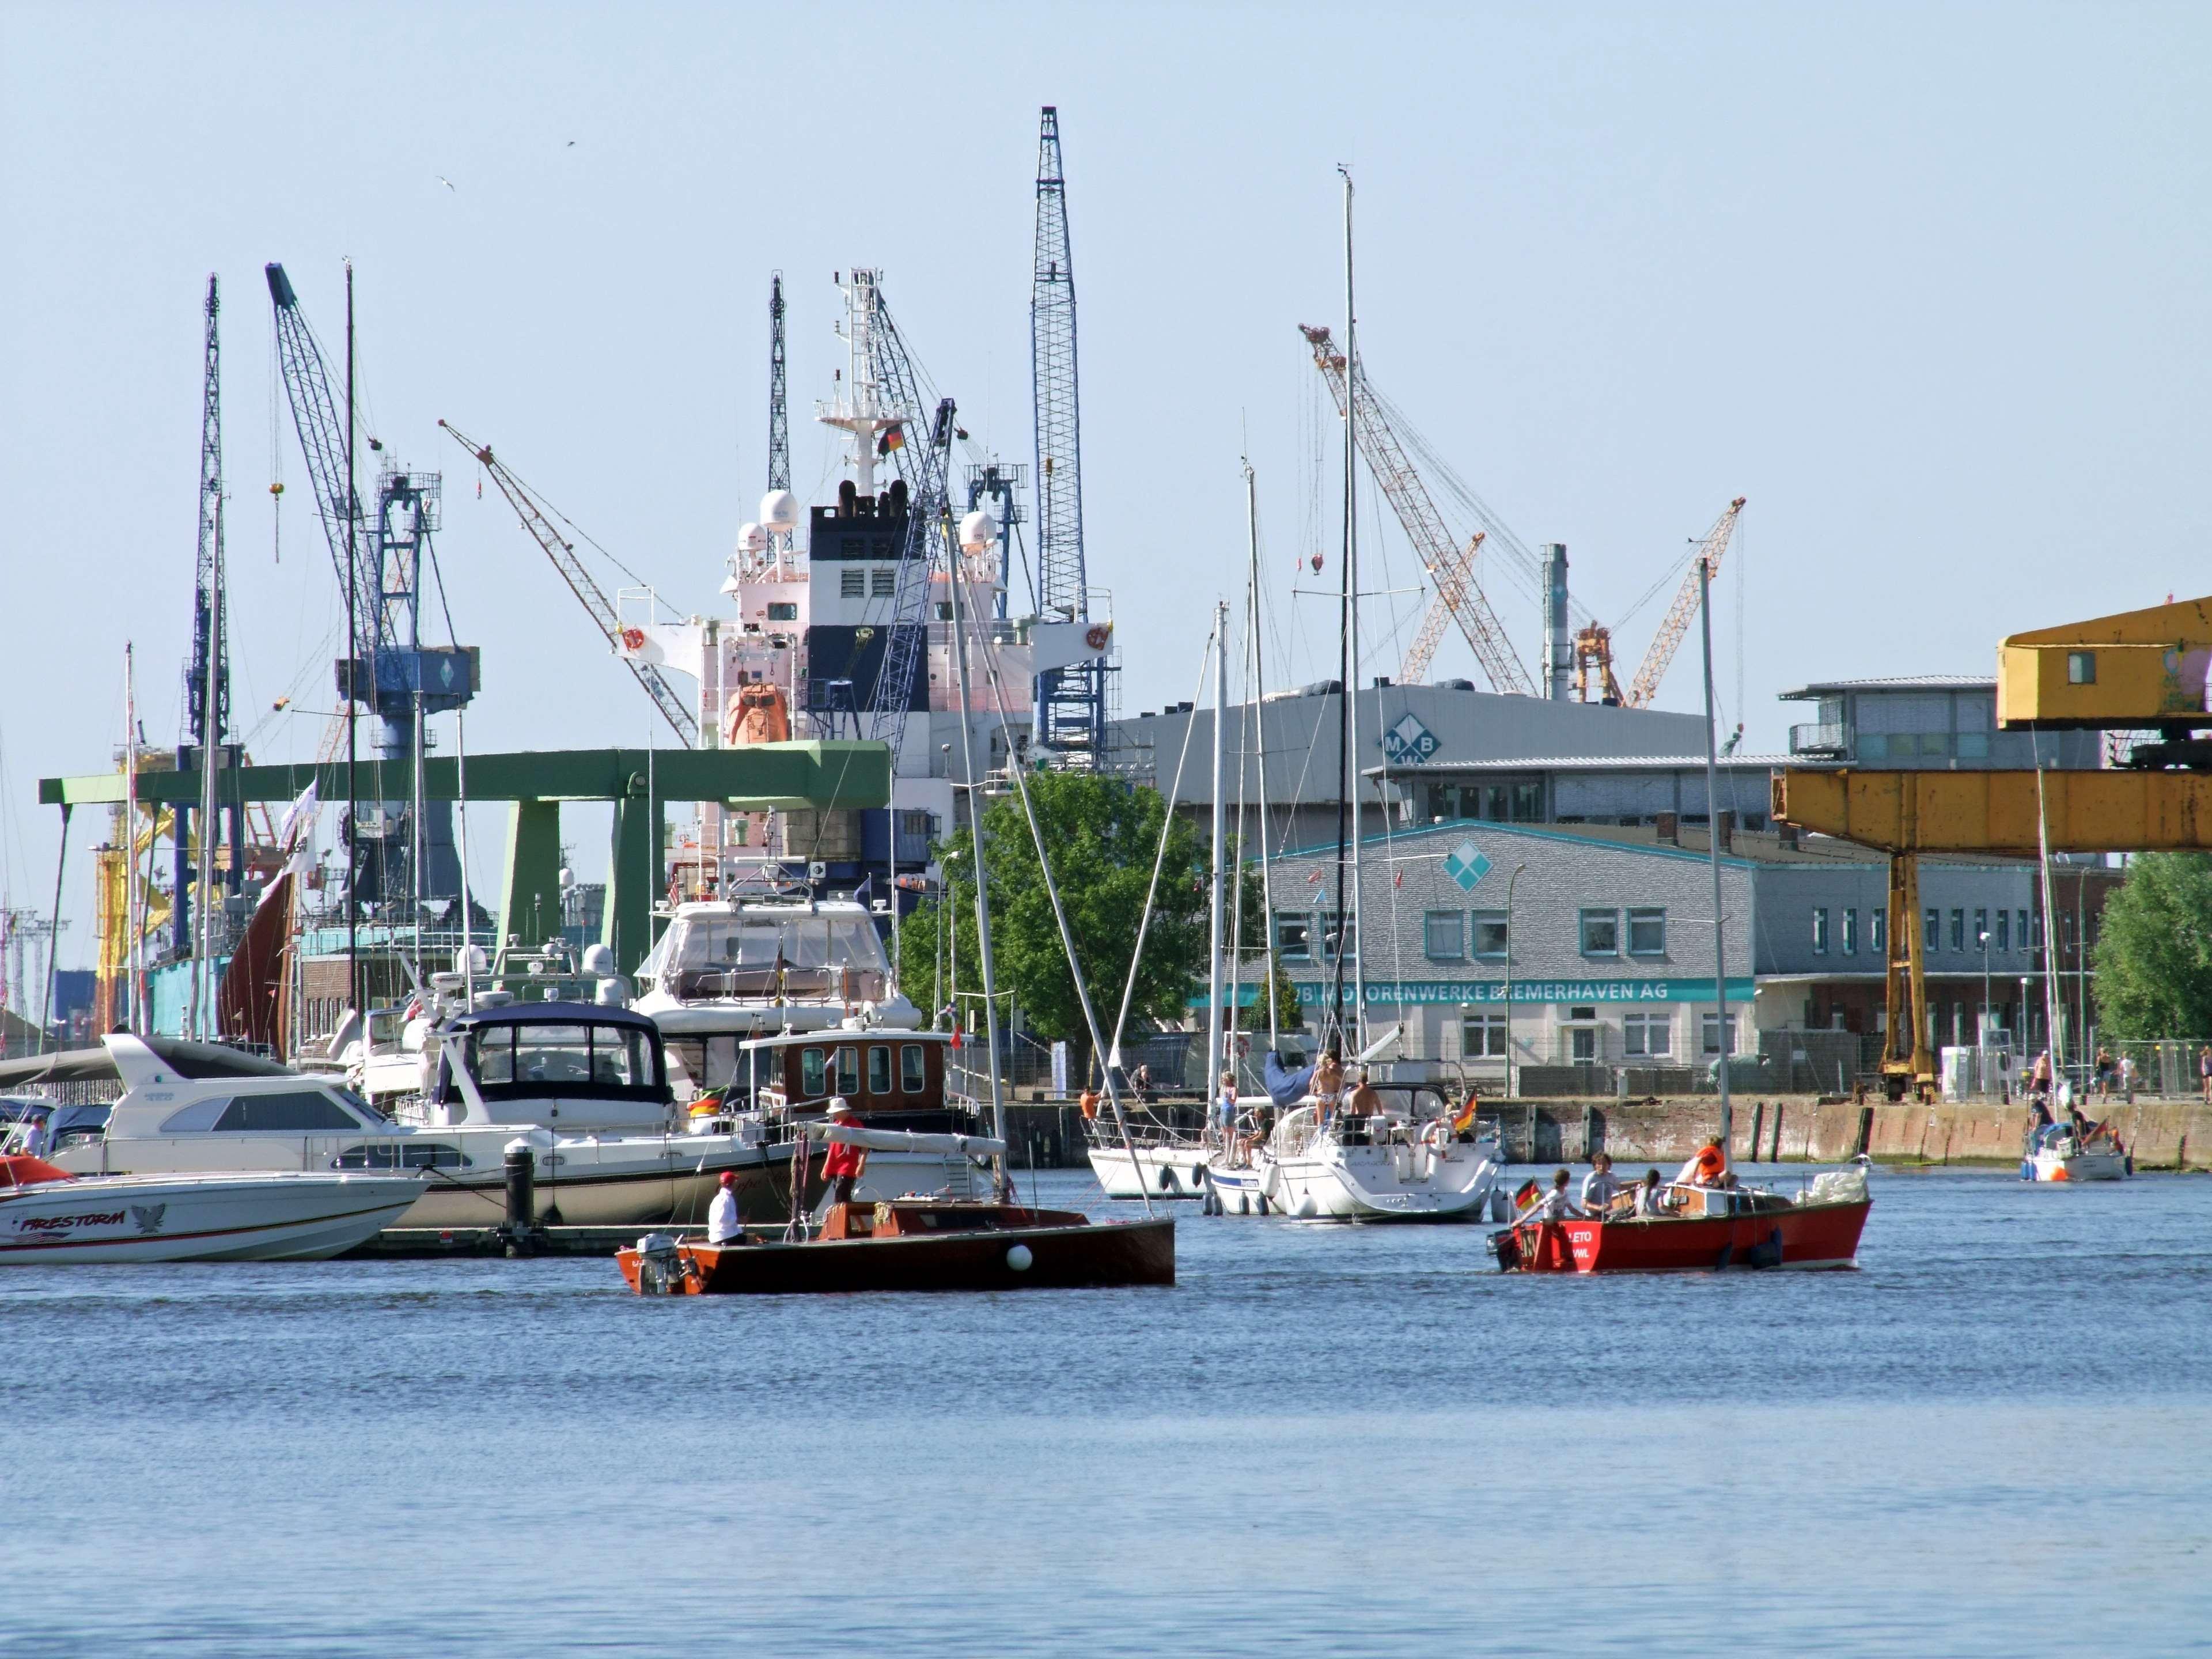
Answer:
(1465, 1121)
(1529, 1193)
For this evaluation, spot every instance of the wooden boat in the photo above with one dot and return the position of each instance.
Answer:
(914, 1244)
(1711, 1229)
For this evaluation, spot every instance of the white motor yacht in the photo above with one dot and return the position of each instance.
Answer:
(730, 970)
(202, 1108)
(47, 1215)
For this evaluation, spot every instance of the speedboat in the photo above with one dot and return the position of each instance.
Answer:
(1411, 1159)
(2074, 1151)
(47, 1215)
(1705, 1224)
(201, 1108)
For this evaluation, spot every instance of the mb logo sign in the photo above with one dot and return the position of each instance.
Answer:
(1408, 742)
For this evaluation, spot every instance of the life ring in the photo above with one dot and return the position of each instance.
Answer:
(1711, 1164)
(1435, 1133)
(1096, 634)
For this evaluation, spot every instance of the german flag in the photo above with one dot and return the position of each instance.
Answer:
(1465, 1121)
(1529, 1193)
(894, 438)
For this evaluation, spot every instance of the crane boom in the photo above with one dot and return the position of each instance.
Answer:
(203, 723)
(316, 417)
(1676, 623)
(538, 521)
(779, 420)
(922, 465)
(1414, 669)
(1451, 567)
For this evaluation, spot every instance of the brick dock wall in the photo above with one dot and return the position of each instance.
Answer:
(2163, 1134)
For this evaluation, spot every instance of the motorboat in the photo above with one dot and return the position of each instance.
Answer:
(203, 1107)
(571, 1067)
(1703, 1225)
(894, 1079)
(911, 1243)
(729, 971)
(2074, 1151)
(49, 1215)
(1410, 1158)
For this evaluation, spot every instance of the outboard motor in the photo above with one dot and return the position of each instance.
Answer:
(661, 1270)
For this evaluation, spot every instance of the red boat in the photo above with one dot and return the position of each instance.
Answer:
(914, 1244)
(1709, 1228)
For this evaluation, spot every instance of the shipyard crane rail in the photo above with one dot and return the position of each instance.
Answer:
(1676, 623)
(1451, 567)
(538, 519)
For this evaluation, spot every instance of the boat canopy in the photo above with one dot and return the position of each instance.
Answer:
(533, 1050)
(191, 1061)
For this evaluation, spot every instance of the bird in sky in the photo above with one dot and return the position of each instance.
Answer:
(447, 183)
(572, 144)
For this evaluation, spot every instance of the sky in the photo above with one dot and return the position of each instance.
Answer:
(1925, 283)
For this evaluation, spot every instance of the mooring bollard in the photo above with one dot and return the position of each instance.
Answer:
(521, 1198)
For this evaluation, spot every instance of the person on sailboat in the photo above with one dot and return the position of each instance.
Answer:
(1225, 1104)
(845, 1165)
(724, 1226)
(1600, 1185)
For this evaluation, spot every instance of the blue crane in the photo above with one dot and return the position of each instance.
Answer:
(387, 669)
(1071, 705)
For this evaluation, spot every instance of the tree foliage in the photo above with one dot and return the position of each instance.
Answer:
(2154, 952)
(1102, 834)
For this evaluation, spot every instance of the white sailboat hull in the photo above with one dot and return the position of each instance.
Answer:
(1154, 1171)
(2049, 1165)
(206, 1218)
(1330, 1182)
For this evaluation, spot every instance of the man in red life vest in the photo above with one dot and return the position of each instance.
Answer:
(844, 1164)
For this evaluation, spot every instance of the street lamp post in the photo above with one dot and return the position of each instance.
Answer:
(1509, 881)
(1984, 1032)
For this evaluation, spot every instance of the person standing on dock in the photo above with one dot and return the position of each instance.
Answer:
(845, 1164)
(723, 1225)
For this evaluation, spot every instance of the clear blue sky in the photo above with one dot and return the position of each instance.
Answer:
(1926, 282)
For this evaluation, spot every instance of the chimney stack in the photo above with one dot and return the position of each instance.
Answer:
(1558, 636)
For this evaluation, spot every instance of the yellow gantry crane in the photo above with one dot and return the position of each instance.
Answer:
(2135, 671)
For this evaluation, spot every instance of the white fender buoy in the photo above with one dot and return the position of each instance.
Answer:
(1019, 1258)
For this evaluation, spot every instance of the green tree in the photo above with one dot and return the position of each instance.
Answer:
(2153, 953)
(1102, 834)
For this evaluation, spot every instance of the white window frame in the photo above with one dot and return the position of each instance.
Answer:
(1646, 913)
(1598, 914)
(1430, 921)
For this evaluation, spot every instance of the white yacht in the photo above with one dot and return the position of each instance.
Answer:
(198, 1108)
(1405, 1162)
(49, 1216)
(727, 971)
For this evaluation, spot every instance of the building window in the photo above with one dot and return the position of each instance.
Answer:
(1983, 938)
(2004, 941)
(1481, 1037)
(853, 583)
(2031, 941)
(1713, 1034)
(1931, 931)
(1329, 939)
(1850, 930)
(2081, 668)
(1878, 929)
(883, 584)
(1647, 932)
(1958, 930)
(783, 610)
(1293, 937)
(1820, 931)
(1528, 801)
(1491, 943)
(1443, 936)
(1600, 933)
(1648, 1034)
(1583, 1043)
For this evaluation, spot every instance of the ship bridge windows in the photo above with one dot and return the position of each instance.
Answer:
(783, 611)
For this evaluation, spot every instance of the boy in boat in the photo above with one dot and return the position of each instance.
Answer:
(1554, 1206)
(1599, 1186)
(845, 1165)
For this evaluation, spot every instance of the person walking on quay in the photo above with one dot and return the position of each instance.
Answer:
(2204, 1072)
(2103, 1073)
(1141, 1081)
(845, 1164)
(723, 1224)
(2039, 1080)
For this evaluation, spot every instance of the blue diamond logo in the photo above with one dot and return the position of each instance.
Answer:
(1408, 742)
(1465, 865)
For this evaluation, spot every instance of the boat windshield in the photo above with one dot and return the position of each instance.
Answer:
(752, 954)
(524, 1055)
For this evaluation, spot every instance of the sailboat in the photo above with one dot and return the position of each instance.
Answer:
(1705, 1220)
(1341, 1146)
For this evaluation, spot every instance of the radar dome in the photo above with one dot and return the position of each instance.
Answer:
(751, 539)
(978, 531)
(779, 510)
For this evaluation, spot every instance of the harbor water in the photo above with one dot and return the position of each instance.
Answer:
(1991, 1438)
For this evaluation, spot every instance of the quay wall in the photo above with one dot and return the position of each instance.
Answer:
(2163, 1134)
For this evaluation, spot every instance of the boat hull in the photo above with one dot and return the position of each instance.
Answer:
(1796, 1236)
(2075, 1166)
(220, 1217)
(1154, 1172)
(1108, 1253)
(1384, 1183)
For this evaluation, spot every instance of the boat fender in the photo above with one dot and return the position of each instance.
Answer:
(1262, 1202)
(1019, 1258)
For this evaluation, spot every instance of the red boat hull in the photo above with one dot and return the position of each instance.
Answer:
(1799, 1236)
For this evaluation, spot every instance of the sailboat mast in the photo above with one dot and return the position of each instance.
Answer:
(1713, 841)
(958, 575)
(132, 933)
(1260, 736)
(1214, 1061)
(1349, 770)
